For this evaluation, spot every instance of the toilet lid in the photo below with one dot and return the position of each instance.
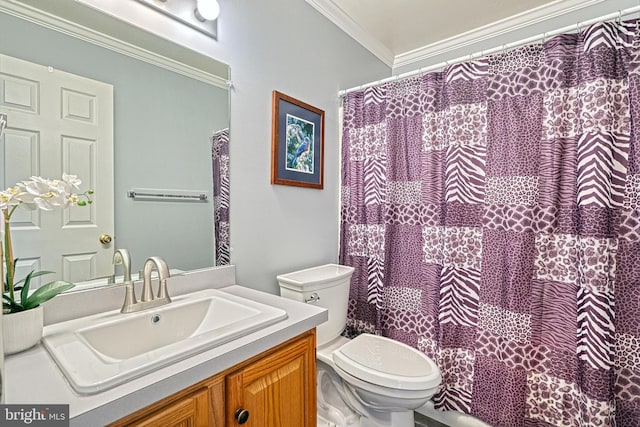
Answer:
(386, 362)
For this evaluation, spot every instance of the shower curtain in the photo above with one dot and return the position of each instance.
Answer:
(492, 214)
(220, 161)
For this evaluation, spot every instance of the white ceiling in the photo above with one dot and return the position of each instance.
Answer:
(405, 25)
(398, 31)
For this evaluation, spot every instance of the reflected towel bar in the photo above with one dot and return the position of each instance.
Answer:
(138, 194)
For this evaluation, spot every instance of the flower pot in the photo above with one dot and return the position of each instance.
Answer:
(22, 330)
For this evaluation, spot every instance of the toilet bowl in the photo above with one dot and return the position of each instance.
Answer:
(368, 381)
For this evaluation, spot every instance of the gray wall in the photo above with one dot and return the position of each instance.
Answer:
(283, 45)
(163, 122)
(288, 46)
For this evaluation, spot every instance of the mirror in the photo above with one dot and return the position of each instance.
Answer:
(163, 124)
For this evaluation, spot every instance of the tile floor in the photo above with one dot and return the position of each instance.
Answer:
(423, 421)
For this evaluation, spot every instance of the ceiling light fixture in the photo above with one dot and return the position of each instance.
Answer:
(207, 10)
(198, 14)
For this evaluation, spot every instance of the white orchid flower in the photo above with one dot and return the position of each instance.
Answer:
(73, 181)
(69, 184)
(36, 193)
(10, 197)
(72, 199)
(47, 201)
(43, 193)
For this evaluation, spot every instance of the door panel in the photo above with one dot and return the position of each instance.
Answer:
(59, 122)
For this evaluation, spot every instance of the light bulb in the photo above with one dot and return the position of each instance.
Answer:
(208, 9)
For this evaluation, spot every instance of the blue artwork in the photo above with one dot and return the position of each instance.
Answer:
(300, 134)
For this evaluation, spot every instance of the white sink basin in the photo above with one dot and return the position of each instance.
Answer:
(107, 349)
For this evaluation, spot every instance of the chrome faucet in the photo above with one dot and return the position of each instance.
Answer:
(121, 256)
(163, 275)
(148, 300)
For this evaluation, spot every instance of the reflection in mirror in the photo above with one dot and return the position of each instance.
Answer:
(164, 124)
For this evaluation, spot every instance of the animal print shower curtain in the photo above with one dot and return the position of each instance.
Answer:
(492, 214)
(221, 184)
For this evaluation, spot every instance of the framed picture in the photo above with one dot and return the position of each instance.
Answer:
(297, 146)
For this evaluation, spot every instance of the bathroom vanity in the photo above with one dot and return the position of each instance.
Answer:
(266, 373)
(276, 387)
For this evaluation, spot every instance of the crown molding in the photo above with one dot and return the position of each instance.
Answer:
(336, 15)
(461, 41)
(115, 42)
(495, 29)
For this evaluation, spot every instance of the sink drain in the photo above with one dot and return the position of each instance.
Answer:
(155, 319)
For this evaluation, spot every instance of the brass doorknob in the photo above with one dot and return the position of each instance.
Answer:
(105, 239)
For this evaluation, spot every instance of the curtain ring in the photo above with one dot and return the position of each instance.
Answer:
(619, 17)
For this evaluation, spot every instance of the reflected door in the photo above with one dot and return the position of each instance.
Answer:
(59, 122)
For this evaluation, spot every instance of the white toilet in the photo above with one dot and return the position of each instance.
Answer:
(369, 381)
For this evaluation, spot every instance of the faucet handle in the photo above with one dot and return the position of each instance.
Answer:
(129, 298)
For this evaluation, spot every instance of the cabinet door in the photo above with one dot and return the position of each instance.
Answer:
(277, 390)
(216, 402)
(189, 411)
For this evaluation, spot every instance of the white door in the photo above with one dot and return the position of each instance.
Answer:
(58, 122)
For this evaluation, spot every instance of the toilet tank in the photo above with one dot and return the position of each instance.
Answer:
(326, 286)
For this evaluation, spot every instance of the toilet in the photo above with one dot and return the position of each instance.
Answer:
(367, 381)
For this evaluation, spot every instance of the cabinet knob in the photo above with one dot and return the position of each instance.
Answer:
(241, 416)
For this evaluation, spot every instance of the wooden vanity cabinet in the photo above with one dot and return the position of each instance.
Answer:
(274, 389)
(189, 411)
(278, 390)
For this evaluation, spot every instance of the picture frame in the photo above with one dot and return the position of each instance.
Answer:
(297, 145)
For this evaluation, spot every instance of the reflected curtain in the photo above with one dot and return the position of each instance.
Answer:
(221, 186)
(492, 214)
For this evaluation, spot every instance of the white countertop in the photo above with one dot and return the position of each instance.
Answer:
(32, 377)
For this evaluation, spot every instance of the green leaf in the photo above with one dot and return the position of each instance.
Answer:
(33, 276)
(10, 304)
(46, 292)
(24, 293)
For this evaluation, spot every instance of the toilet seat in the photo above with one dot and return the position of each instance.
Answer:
(324, 352)
(388, 363)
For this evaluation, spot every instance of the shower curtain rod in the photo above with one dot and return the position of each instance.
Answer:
(218, 132)
(577, 26)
